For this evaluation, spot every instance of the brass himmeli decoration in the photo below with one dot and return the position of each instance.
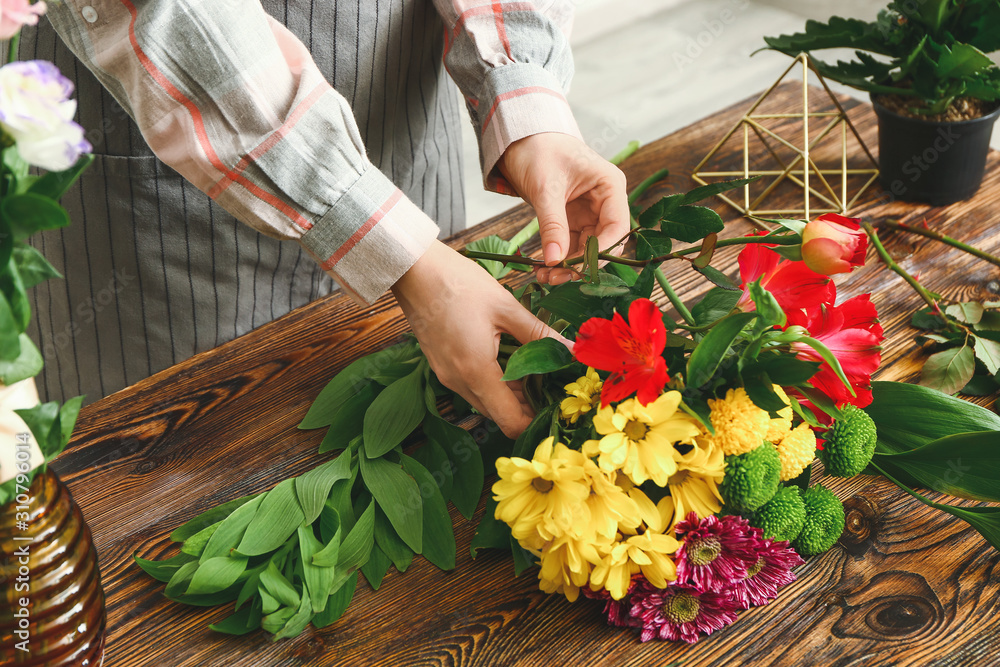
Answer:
(802, 170)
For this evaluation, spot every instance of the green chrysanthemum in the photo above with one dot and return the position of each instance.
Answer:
(849, 444)
(824, 521)
(751, 479)
(783, 516)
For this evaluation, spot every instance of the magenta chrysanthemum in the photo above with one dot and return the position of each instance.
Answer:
(772, 570)
(715, 553)
(679, 612)
(616, 611)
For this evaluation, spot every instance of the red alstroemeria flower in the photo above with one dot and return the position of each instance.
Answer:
(793, 284)
(852, 332)
(833, 244)
(631, 351)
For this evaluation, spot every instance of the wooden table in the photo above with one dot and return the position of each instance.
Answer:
(906, 586)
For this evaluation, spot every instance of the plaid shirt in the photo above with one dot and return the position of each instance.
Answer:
(232, 100)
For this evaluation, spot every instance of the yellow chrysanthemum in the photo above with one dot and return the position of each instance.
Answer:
(582, 396)
(543, 498)
(796, 450)
(740, 426)
(781, 426)
(648, 553)
(566, 564)
(639, 439)
(695, 487)
(611, 509)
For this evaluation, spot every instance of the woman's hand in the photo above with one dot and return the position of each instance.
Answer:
(575, 192)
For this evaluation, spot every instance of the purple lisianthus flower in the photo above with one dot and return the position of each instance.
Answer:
(36, 112)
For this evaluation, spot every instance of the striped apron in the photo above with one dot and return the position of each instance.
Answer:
(156, 272)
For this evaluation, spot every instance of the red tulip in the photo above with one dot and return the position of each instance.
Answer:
(833, 244)
(631, 351)
(793, 284)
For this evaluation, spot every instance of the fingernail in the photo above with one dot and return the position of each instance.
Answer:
(553, 253)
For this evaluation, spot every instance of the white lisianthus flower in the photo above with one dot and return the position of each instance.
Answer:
(36, 112)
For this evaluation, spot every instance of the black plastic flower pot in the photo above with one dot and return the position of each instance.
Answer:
(938, 163)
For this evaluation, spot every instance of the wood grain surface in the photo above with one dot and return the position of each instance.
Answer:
(907, 585)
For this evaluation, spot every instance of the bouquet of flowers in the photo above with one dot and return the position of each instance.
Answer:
(670, 471)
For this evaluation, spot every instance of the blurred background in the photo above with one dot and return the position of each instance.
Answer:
(645, 68)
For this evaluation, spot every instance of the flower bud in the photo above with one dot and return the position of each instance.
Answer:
(833, 244)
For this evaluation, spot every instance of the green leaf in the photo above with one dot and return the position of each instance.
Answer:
(497, 246)
(318, 578)
(313, 487)
(28, 363)
(206, 519)
(398, 496)
(298, 622)
(34, 268)
(761, 391)
(966, 465)
(980, 385)
(356, 547)
(337, 603)
(716, 304)
(178, 582)
(163, 570)
(68, 413)
(627, 274)
(987, 351)
(491, 533)
(718, 278)
(652, 243)
(569, 303)
(231, 530)
(713, 348)
(275, 521)
(390, 543)
(376, 567)
(544, 355)
(712, 189)
(925, 320)
(433, 457)
(691, 223)
(466, 461)
(786, 370)
(349, 421)
(908, 416)
(394, 414)
(276, 620)
(43, 422)
(216, 574)
(523, 559)
(970, 312)
(251, 585)
(29, 213)
(831, 360)
(12, 286)
(986, 520)
(351, 381)
(240, 623)
(949, 370)
(10, 331)
(54, 184)
(195, 545)
(438, 538)
(278, 586)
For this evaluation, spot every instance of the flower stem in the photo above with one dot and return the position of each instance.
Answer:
(674, 299)
(624, 153)
(896, 224)
(640, 189)
(896, 268)
(12, 47)
(503, 259)
(522, 236)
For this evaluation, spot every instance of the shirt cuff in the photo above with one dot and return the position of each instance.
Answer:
(525, 99)
(370, 237)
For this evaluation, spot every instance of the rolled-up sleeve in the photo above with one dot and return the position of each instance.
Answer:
(231, 100)
(513, 63)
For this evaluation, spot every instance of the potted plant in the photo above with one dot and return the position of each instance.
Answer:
(51, 602)
(935, 91)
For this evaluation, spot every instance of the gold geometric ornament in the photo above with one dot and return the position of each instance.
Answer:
(802, 152)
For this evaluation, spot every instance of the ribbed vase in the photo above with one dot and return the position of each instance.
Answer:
(66, 617)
